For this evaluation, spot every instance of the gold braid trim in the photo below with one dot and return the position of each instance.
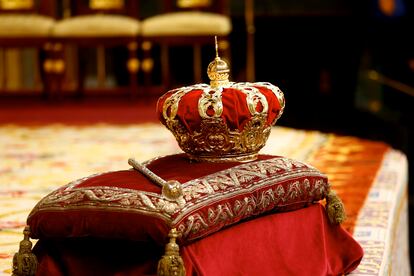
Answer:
(171, 263)
(335, 208)
(24, 261)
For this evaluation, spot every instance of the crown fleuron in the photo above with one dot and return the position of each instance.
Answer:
(223, 121)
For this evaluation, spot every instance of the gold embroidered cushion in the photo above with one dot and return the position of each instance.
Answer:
(125, 204)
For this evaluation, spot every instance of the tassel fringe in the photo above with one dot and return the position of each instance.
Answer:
(24, 261)
(171, 263)
(335, 208)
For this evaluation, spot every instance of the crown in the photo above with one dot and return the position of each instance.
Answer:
(223, 121)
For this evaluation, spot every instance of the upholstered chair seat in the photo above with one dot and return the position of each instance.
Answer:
(99, 25)
(187, 23)
(31, 25)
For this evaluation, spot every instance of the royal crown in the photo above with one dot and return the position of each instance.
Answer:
(223, 121)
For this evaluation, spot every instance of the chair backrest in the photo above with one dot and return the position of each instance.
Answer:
(84, 7)
(43, 7)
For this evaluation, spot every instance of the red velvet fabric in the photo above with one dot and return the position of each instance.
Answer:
(300, 242)
(125, 204)
(235, 114)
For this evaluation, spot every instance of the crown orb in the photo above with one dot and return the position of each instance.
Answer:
(218, 68)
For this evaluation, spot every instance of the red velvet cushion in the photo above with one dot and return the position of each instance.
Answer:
(302, 242)
(126, 204)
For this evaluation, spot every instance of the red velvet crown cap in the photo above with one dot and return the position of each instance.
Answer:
(234, 97)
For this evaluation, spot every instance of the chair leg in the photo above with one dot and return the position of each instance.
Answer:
(250, 40)
(37, 77)
(81, 75)
(165, 66)
(197, 63)
(101, 66)
(59, 67)
(2, 68)
(50, 70)
(45, 73)
(147, 65)
(133, 67)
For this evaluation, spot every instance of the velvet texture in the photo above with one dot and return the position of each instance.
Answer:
(125, 204)
(235, 114)
(300, 242)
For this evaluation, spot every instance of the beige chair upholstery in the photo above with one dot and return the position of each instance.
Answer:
(97, 25)
(187, 23)
(29, 25)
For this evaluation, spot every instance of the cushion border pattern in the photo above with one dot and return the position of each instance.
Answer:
(208, 203)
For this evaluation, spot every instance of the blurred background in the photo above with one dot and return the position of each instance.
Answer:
(345, 66)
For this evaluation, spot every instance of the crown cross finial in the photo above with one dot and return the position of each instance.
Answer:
(218, 70)
(216, 45)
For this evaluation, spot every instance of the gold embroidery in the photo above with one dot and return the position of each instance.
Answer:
(198, 225)
(216, 190)
(112, 198)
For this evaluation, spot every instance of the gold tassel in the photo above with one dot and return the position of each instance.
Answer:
(24, 261)
(335, 208)
(171, 263)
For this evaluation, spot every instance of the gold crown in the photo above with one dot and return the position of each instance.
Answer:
(223, 121)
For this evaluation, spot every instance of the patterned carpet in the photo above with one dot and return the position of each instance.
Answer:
(36, 160)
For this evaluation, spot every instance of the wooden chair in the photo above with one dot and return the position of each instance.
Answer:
(25, 24)
(98, 25)
(191, 23)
